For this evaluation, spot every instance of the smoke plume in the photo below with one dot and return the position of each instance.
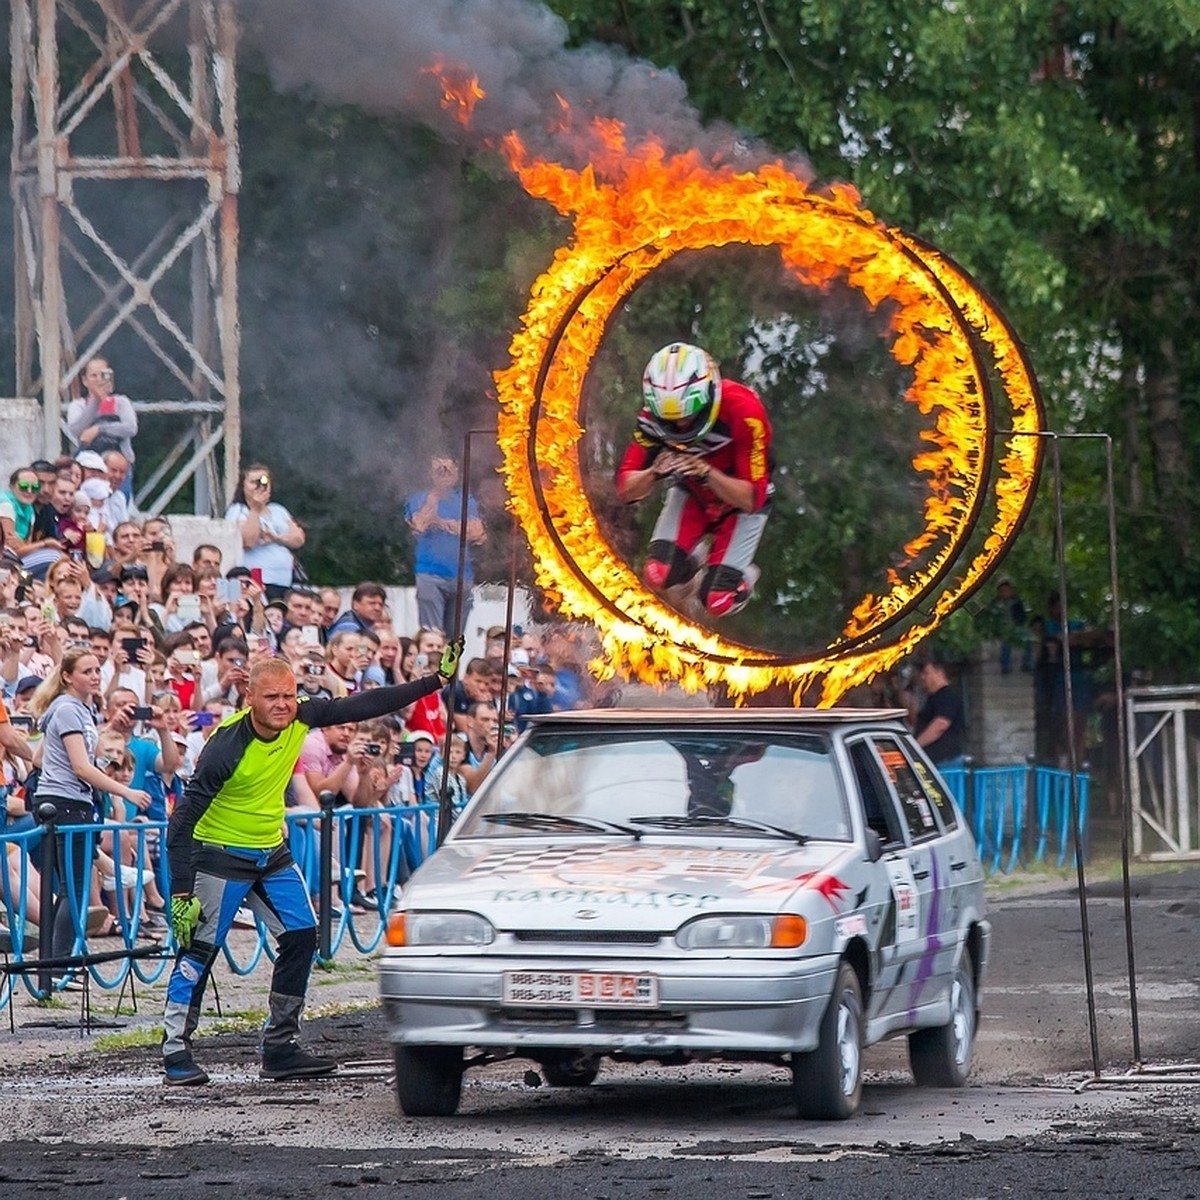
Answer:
(377, 54)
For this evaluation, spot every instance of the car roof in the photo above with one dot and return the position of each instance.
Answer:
(721, 716)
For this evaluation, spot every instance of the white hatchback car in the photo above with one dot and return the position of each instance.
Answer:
(668, 886)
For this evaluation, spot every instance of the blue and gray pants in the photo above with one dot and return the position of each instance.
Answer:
(269, 883)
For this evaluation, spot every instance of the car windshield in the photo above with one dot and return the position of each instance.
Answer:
(616, 775)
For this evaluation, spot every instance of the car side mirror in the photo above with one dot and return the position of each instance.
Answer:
(874, 846)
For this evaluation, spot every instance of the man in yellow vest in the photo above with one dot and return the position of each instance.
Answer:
(225, 848)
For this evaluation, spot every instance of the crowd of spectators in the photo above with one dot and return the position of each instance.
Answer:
(100, 620)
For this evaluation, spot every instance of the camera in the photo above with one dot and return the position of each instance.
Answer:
(238, 662)
(407, 754)
(142, 712)
(374, 749)
(132, 646)
(158, 547)
(203, 719)
(314, 669)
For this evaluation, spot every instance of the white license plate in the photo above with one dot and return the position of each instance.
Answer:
(581, 989)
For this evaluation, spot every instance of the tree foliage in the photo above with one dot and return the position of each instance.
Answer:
(1053, 150)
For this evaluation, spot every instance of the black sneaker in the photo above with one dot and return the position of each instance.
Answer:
(292, 1062)
(180, 1070)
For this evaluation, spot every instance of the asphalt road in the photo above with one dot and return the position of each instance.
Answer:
(1032, 1123)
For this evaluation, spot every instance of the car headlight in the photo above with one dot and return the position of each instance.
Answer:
(783, 932)
(439, 929)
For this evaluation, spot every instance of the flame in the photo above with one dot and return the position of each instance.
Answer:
(460, 90)
(634, 208)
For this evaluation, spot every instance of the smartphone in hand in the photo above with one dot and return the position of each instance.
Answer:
(188, 607)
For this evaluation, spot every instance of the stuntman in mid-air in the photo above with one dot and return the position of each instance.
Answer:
(710, 439)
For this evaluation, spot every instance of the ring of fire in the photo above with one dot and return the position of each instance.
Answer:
(633, 211)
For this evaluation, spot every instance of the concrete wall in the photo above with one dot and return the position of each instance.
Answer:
(190, 532)
(1000, 724)
(20, 435)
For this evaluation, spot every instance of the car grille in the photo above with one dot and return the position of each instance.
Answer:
(590, 937)
(607, 1020)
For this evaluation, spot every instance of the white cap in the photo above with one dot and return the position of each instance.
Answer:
(90, 461)
(96, 489)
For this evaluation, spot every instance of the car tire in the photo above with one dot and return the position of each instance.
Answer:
(571, 1070)
(941, 1057)
(428, 1080)
(827, 1081)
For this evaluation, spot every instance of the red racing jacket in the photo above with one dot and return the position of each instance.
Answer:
(738, 444)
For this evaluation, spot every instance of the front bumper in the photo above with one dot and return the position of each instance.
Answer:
(706, 1005)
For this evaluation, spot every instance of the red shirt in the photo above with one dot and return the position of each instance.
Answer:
(428, 715)
(184, 688)
(738, 444)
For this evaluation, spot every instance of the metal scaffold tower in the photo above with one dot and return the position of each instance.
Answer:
(125, 180)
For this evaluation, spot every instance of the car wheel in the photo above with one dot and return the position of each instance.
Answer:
(827, 1081)
(571, 1070)
(941, 1057)
(428, 1080)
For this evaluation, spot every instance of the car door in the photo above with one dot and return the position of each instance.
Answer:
(919, 878)
(958, 862)
(892, 903)
(933, 938)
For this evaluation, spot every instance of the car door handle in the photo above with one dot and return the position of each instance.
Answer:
(958, 866)
(920, 874)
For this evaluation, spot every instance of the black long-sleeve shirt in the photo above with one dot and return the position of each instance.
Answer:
(235, 798)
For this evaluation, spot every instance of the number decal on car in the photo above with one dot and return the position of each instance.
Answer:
(908, 900)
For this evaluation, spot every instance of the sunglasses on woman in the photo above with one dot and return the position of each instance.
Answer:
(35, 486)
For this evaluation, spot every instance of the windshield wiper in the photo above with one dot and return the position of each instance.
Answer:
(711, 820)
(534, 820)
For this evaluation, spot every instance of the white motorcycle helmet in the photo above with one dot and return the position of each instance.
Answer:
(682, 389)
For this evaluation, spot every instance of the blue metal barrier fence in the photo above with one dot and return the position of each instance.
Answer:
(1020, 816)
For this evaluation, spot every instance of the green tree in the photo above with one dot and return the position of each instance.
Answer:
(1053, 151)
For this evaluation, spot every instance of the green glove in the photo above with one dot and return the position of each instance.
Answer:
(450, 656)
(185, 916)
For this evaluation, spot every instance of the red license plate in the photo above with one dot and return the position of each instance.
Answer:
(580, 989)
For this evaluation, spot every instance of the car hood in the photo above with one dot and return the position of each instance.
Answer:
(650, 885)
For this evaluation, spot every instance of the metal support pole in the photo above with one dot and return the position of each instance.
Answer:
(50, 339)
(508, 626)
(970, 799)
(1081, 881)
(1126, 732)
(1122, 748)
(48, 817)
(325, 885)
(228, 325)
(445, 815)
(1030, 806)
